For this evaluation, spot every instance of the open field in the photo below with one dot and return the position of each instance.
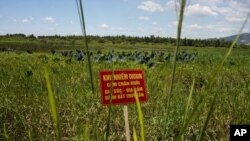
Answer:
(25, 112)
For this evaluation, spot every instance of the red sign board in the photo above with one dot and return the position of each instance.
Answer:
(125, 82)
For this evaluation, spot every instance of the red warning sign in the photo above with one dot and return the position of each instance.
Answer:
(124, 84)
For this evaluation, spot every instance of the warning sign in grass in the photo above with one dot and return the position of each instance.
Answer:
(124, 84)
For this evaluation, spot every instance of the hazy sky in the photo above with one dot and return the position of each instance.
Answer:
(203, 18)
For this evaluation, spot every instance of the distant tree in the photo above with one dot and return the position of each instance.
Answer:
(189, 42)
(31, 36)
(184, 42)
(101, 41)
(217, 43)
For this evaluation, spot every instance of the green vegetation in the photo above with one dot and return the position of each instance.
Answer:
(25, 109)
(21, 42)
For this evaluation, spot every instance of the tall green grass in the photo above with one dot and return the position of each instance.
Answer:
(6, 137)
(134, 134)
(216, 73)
(52, 102)
(140, 116)
(188, 105)
(83, 27)
(86, 133)
(211, 82)
(110, 104)
(75, 106)
(209, 87)
(179, 27)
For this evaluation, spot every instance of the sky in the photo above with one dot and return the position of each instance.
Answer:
(202, 19)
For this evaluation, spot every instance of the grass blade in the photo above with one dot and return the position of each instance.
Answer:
(110, 106)
(134, 134)
(189, 101)
(52, 105)
(86, 133)
(30, 135)
(184, 127)
(177, 45)
(208, 117)
(95, 130)
(187, 107)
(5, 133)
(82, 22)
(140, 115)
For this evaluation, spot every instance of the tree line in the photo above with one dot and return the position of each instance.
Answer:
(128, 39)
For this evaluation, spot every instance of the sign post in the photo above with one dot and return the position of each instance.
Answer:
(125, 110)
(125, 82)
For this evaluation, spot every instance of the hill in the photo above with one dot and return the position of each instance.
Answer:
(244, 38)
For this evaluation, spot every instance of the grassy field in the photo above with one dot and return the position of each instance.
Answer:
(25, 111)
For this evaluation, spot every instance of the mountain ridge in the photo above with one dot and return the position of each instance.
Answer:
(243, 39)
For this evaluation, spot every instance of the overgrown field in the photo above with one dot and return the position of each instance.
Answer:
(25, 110)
